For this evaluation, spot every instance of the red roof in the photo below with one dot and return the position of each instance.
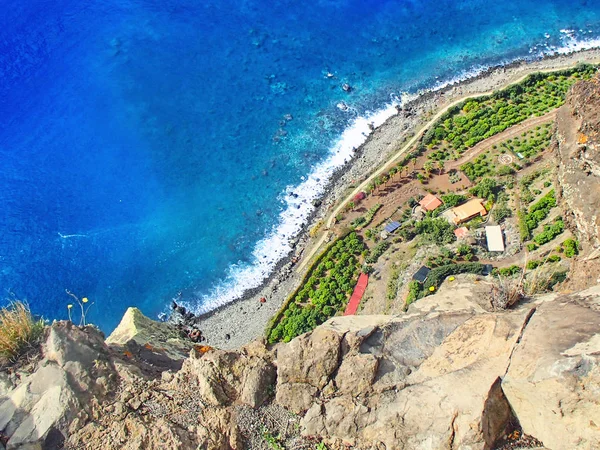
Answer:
(461, 232)
(360, 196)
(359, 291)
(430, 202)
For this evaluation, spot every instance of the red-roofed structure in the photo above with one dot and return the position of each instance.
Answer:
(360, 196)
(430, 202)
(359, 291)
(461, 232)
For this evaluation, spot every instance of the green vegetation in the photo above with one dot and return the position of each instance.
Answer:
(439, 274)
(501, 212)
(486, 189)
(452, 199)
(377, 251)
(365, 220)
(435, 231)
(19, 331)
(464, 252)
(531, 142)
(414, 292)
(392, 286)
(324, 292)
(272, 441)
(537, 213)
(570, 247)
(550, 232)
(535, 263)
(479, 167)
(509, 271)
(474, 120)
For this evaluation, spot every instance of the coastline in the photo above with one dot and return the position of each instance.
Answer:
(236, 323)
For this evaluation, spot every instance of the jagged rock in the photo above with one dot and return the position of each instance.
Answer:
(75, 369)
(356, 374)
(553, 382)
(297, 397)
(447, 375)
(309, 359)
(430, 404)
(305, 366)
(157, 343)
(227, 377)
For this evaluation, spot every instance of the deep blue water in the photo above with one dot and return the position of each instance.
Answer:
(143, 145)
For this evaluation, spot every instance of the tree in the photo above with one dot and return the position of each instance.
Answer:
(485, 189)
(440, 165)
(428, 167)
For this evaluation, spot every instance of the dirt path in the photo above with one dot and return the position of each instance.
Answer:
(509, 133)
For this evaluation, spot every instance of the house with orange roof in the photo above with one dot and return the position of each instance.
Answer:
(430, 202)
(466, 211)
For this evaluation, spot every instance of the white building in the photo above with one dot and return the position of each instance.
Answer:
(494, 238)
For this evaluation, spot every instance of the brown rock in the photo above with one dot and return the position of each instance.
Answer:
(553, 382)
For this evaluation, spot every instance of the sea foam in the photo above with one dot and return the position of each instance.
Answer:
(297, 207)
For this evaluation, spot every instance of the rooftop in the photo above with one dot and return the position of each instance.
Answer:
(461, 232)
(494, 238)
(430, 202)
(466, 211)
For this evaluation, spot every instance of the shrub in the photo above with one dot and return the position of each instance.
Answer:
(531, 246)
(377, 251)
(509, 271)
(501, 212)
(571, 247)
(453, 199)
(19, 331)
(553, 258)
(486, 188)
(437, 231)
(550, 232)
(414, 292)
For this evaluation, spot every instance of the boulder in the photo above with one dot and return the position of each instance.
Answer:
(412, 375)
(75, 368)
(157, 343)
(226, 377)
(553, 382)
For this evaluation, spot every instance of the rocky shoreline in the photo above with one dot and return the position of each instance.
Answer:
(235, 324)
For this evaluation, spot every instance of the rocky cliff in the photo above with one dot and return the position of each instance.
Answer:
(447, 375)
(578, 126)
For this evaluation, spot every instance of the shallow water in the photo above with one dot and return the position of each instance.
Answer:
(145, 146)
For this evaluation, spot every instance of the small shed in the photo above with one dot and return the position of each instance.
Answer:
(461, 232)
(430, 202)
(391, 227)
(421, 274)
(494, 238)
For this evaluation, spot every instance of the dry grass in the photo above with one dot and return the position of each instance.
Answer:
(18, 331)
(543, 279)
(506, 292)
